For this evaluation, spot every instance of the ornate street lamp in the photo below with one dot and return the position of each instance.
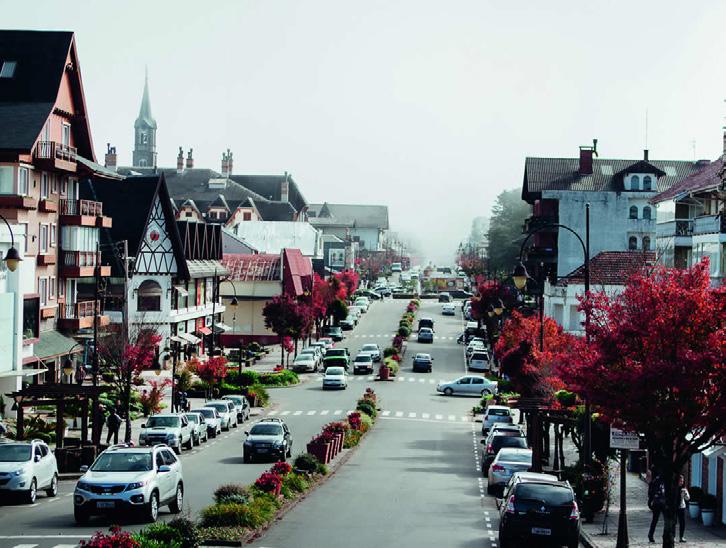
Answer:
(12, 257)
(520, 276)
(499, 307)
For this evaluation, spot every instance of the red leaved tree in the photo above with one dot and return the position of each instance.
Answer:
(211, 372)
(286, 317)
(656, 364)
(349, 279)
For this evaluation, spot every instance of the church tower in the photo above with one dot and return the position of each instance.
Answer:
(145, 132)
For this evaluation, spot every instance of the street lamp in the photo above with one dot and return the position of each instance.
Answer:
(491, 311)
(499, 307)
(12, 257)
(520, 275)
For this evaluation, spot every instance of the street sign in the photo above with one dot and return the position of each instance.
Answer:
(621, 439)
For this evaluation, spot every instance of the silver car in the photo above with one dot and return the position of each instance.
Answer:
(507, 462)
(469, 385)
(241, 405)
(26, 467)
(226, 411)
(211, 419)
(199, 427)
(496, 414)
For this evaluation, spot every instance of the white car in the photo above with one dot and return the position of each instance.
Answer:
(130, 479)
(172, 429)
(480, 360)
(363, 303)
(304, 363)
(373, 349)
(496, 414)
(199, 427)
(226, 411)
(316, 352)
(355, 311)
(448, 309)
(469, 385)
(211, 419)
(363, 363)
(474, 345)
(26, 467)
(335, 377)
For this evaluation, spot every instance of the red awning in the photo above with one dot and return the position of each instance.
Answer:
(204, 331)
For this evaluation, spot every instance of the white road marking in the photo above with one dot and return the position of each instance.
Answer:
(401, 379)
(324, 412)
(399, 413)
(412, 415)
(311, 413)
(285, 413)
(452, 417)
(411, 380)
(425, 415)
(273, 412)
(297, 413)
(385, 413)
(65, 546)
(464, 419)
(371, 377)
(432, 381)
(439, 417)
(25, 546)
(422, 380)
(337, 412)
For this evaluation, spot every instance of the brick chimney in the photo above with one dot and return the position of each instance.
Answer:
(190, 159)
(226, 163)
(285, 189)
(229, 162)
(110, 159)
(180, 161)
(586, 154)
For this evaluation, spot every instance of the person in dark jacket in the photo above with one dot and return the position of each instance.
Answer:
(113, 423)
(656, 502)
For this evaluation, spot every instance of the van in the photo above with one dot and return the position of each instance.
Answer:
(445, 297)
(426, 322)
(479, 361)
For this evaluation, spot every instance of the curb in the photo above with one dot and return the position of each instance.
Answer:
(586, 540)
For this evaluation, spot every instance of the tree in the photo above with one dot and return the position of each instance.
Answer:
(505, 231)
(211, 372)
(656, 364)
(338, 310)
(285, 316)
(349, 279)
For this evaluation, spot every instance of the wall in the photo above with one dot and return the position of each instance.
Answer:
(562, 302)
(274, 236)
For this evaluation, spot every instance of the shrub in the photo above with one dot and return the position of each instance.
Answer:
(117, 539)
(352, 438)
(283, 378)
(187, 531)
(228, 514)
(306, 462)
(565, 397)
(393, 366)
(281, 469)
(236, 491)
(263, 397)
(248, 377)
(404, 331)
(296, 483)
(366, 407)
(322, 469)
(160, 533)
(365, 423)
(390, 351)
(209, 534)
(354, 419)
(268, 482)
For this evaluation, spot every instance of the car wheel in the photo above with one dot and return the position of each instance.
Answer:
(573, 544)
(52, 490)
(32, 493)
(448, 392)
(152, 508)
(177, 504)
(177, 449)
(246, 458)
(289, 451)
(80, 516)
(485, 392)
(236, 424)
(190, 443)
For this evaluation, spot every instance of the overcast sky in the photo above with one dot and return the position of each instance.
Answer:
(429, 107)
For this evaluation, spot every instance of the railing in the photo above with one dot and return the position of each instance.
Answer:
(79, 258)
(81, 207)
(51, 149)
(709, 224)
(682, 227)
(73, 311)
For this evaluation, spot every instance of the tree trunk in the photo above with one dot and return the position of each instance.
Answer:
(296, 340)
(282, 352)
(672, 494)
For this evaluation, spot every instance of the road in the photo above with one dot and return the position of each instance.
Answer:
(415, 479)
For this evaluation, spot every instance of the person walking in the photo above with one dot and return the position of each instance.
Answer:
(80, 374)
(656, 502)
(181, 399)
(113, 422)
(683, 497)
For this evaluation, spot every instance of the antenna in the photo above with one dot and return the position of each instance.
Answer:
(693, 147)
(646, 128)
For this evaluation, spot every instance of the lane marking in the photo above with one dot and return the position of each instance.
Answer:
(425, 415)
(412, 415)
(273, 412)
(337, 412)
(324, 412)
(310, 413)
(285, 413)
(385, 413)
(439, 417)
(452, 417)
(399, 413)
(297, 413)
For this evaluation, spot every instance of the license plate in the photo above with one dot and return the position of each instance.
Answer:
(541, 531)
(108, 504)
(262, 450)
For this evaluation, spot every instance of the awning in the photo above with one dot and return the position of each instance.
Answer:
(177, 339)
(53, 344)
(221, 328)
(204, 331)
(188, 337)
(183, 292)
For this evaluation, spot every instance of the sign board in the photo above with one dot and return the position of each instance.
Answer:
(621, 439)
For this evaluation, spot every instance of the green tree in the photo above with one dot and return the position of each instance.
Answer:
(505, 231)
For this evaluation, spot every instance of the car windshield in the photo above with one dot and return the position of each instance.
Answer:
(192, 418)
(509, 441)
(266, 430)
(370, 348)
(237, 400)
(425, 331)
(423, 357)
(208, 413)
(308, 351)
(498, 412)
(480, 356)
(162, 422)
(334, 371)
(304, 358)
(122, 462)
(511, 456)
(221, 407)
(363, 358)
(555, 495)
(14, 453)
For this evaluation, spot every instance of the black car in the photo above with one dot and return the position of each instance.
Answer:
(334, 332)
(539, 510)
(423, 362)
(426, 322)
(495, 442)
(268, 438)
(445, 297)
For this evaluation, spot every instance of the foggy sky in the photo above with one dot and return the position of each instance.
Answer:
(427, 107)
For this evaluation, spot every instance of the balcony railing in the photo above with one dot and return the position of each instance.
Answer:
(709, 224)
(81, 207)
(47, 150)
(679, 227)
(79, 258)
(75, 311)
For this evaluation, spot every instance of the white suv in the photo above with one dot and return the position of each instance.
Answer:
(172, 429)
(26, 467)
(130, 479)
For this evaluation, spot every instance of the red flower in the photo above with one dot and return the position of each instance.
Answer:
(281, 468)
(268, 482)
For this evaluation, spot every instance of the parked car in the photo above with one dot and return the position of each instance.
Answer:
(363, 303)
(26, 467)
(316, 351)
(241, 405)
(383, 291)
(480, 361)
(304, 363)
(496, 414)
(335, 377)
(268, 438)
(426, 322)
(444, 297)
(448, 309)
(334, 332)
(473, 345)
(494, 442)
(469, 385)
(507, 461)
(538, 509)
(423, 362)
(373, 349)
(172, 429)
(356, 312)
(425, 335)
(363, 363)
(199, 427)
(226, 411)
(328, 342)
(211, 419)
(130, 479)
(348, 323)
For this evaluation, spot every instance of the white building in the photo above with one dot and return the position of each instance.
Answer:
(365, 225)
(274, 236)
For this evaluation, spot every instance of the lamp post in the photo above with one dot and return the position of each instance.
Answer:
(68, 362)
(12, 257)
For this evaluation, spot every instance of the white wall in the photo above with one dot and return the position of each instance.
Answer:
(274, 236)
(562, 302)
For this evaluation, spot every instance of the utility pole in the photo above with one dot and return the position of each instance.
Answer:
(215, 289)
(587, 441)
(97, 418)
(125, 340)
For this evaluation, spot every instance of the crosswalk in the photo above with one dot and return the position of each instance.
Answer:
(386, 414)
(391, 335)
(35, 545)
(372, 378)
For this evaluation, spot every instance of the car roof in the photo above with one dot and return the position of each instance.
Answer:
(499, 407)
(423, 355)
(534, 477)
(514, 450)
(364, 354)
(425, 329)
(125, 448)
(166, 415)
(369, 344)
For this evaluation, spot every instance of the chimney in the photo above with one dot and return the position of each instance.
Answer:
(190, 159)
(180, 161)
(285, 189)
(110, 160)
(645, 154)
(229, 162)
(586, 154)
(224, 164)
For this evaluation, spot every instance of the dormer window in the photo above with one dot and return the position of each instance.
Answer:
(635, 183)
(647, 183)
(7, 69)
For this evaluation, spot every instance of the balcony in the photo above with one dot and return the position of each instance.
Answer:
(535, 222)
(680, 228)
(709, 224)
(45, 259)
(81, 264)
(79, 315)
(83, 213)
(55, 156)
(48, 206)
(16, 201)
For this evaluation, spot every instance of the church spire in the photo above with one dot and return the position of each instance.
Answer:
(145, 132)
(145, 118)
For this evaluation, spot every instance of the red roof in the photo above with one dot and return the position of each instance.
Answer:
(298, 273)
(703, 179)
(610, 268)
(248, 268)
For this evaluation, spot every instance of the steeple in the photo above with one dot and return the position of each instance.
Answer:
(145, 132)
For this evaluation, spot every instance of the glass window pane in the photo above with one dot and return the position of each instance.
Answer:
(6, 180)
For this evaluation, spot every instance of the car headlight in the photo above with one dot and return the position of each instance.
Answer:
(135, 485)
(83, 486)
(19, 472)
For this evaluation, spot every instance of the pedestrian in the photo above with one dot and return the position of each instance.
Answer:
(656, 502)
(80, 374)
(113, 422)
(683, 498)
(181, 400)
(3, 428)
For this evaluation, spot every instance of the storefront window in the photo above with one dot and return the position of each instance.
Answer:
(31, 318)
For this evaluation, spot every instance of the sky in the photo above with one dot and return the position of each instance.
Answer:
(428, 107)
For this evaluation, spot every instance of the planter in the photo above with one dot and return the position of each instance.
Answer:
(384, 372)
(320, 451)
(694, 510)
(341, 441)
(707, 515)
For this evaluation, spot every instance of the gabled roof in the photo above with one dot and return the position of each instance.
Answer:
(219, 201)
(248, 268)
(706, 178)
(610, 268)
(270, 188)
(275, 211)
(542, 174)
(358, 216)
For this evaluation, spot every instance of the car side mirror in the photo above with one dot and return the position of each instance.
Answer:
(247, 433)
(37, 458)
(83, 469)
(164, 468)
(143, 425)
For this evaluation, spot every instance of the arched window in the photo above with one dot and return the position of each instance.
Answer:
(647, 183)
(633, 212)
(632, 243)
(646, 243)
(635, 183)
(149, 296)
(646, 212)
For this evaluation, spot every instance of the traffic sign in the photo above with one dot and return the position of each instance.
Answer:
(622, 439)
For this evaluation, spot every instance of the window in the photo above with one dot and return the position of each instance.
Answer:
(646, 243)
(142, 162)
(43, 291)
(66, 135)
(31, 318)
(247, 216)
(51, 288)
(635, 183)
(64, 186)
(43, 238)
(7, 69)
(6, 180)
(61, 288)
(149, 296)
(647, 183)
(53, 230)
(26, 236)
(633, 212)
(44, 186)
(46, 130)
(189, 214)
(159, 460)
(632, 243)
(646, 212)
(23, 181)
(54, 184)
(144, 138)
